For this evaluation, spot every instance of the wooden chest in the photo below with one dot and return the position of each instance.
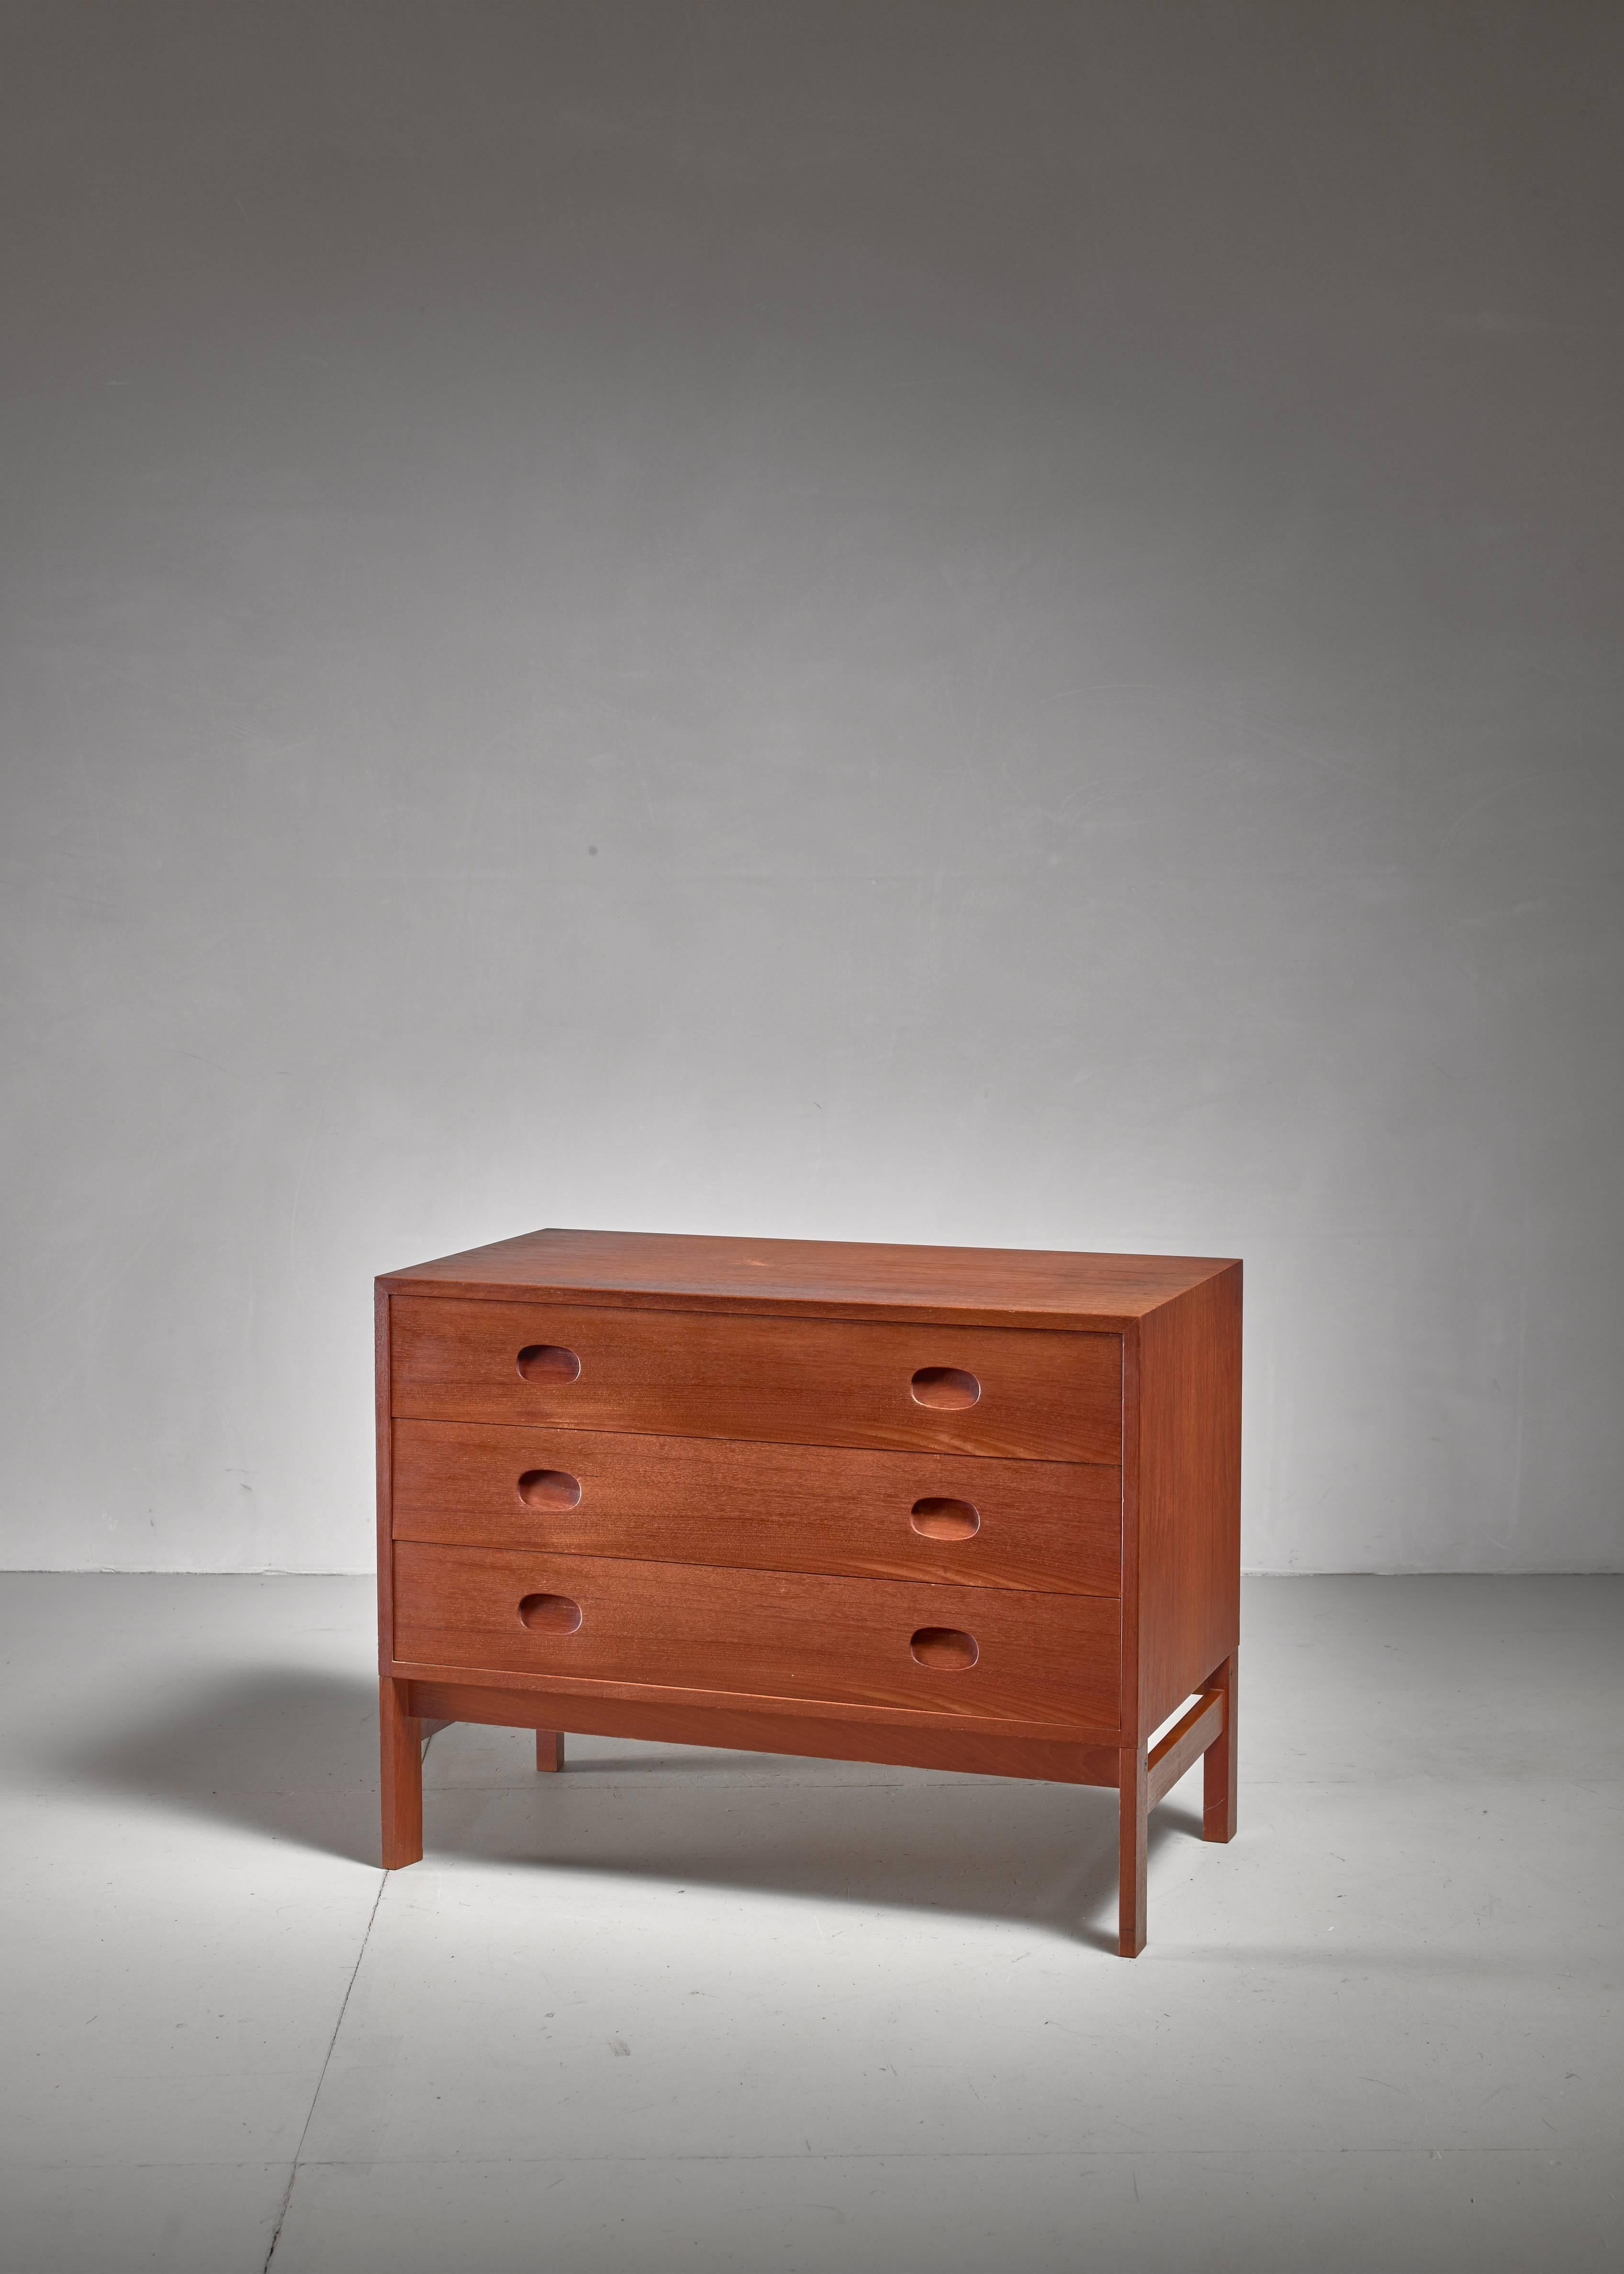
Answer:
(966, 1509)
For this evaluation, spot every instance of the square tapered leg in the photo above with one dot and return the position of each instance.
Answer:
(549, 1750)
(1132, 1835)
(1218, 1772)
(401, 1761)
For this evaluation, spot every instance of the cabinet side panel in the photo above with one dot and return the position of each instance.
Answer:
(385, 1483)
(1132, 1725)
(1189, 1491)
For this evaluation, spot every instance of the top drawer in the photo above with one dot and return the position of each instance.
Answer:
(1037, 1396)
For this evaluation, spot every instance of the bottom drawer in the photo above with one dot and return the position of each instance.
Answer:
(767, 1634)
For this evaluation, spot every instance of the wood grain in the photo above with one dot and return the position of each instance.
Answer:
(972, 1509)
(383, 1438)
(987, 1286)
(659, 1695)
(980, 1753)
(1176, 1754)
(401, 1752)
(1050, 1658)
(1044, 1396)
(1186, 1442)
(1132, 1723)
(1218, 1796)
(1132, 1851)
(1054, 1527)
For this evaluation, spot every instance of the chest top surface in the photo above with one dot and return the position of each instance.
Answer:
(985, 1286)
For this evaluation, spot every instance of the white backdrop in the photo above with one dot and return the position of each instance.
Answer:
(993, 624)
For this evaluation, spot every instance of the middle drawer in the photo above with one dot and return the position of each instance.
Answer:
(1050, 1526)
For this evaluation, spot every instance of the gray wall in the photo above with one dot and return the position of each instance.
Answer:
(995, 623)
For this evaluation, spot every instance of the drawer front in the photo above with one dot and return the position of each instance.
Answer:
(990, 1651)
(988, 1391)
(1045, 1524)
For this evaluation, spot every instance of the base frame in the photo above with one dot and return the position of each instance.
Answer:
(411, 1706)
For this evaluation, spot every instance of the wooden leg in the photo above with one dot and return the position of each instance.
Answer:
(1218, 1772)
(401, 1736)
(549, 1750)
(1133, 1812)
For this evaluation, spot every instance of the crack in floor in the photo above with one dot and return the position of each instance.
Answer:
(383, 1882)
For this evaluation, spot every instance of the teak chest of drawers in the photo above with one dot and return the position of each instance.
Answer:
(959, 1508)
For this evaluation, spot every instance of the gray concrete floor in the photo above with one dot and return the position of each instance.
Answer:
(682, 2008)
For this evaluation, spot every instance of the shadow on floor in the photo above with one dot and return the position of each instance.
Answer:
(911, 1839)
(989, 1847)
(280, 1750)
(292, 1754)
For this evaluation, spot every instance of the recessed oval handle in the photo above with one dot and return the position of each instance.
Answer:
(549, 1488)
(548, 1363)
(945, 1519)
(550, 1614)
(947, 1650)
(948, 1387)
